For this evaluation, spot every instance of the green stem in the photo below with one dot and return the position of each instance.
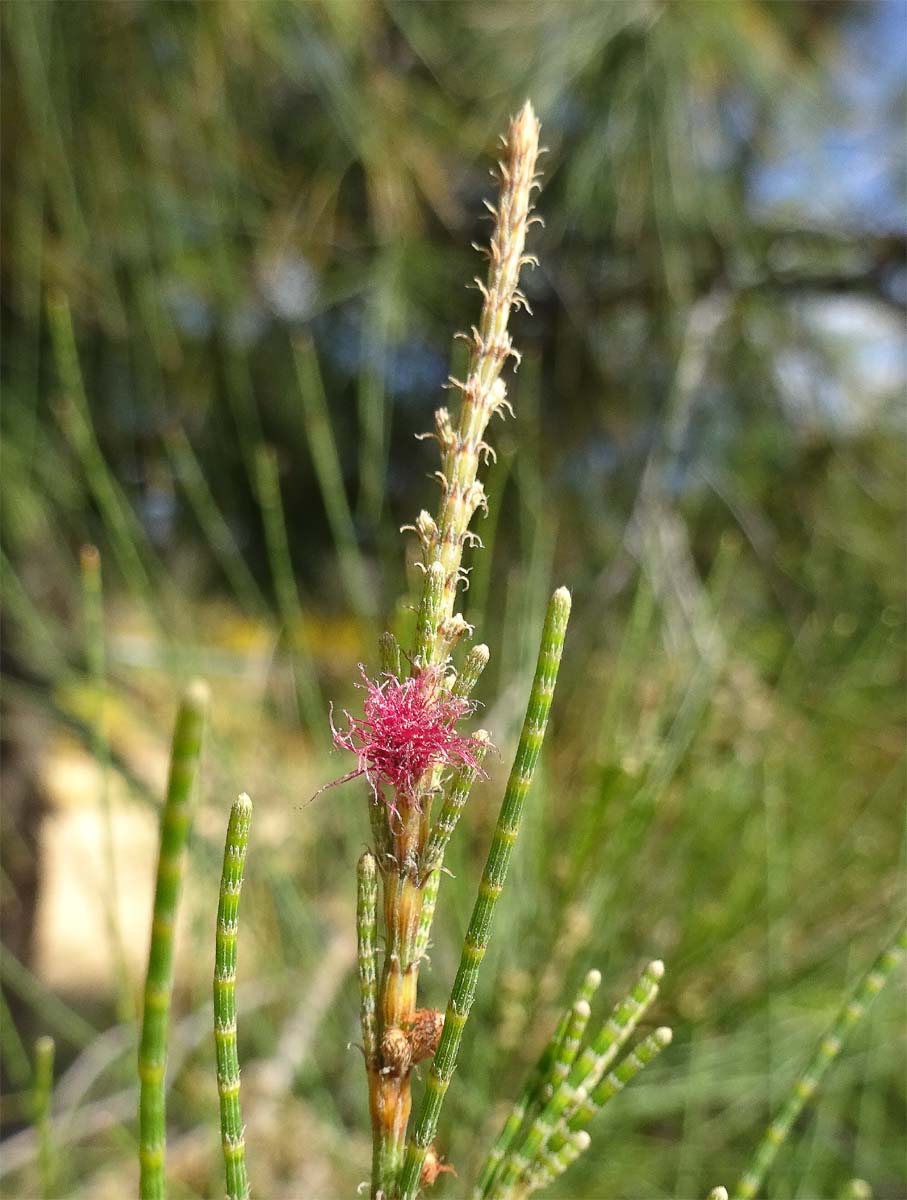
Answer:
(615, 1081)
(474, 664)
(41, 1099)
(575, 1084)
(12, 1048)
(614, 1034)
(454, 802)
(829, 1048)
(427, 914)
(390, 655)
(366, 930)
(493, 878)
(529, 1100)
(231, 880)
(553, 1163)
(429, 615)
(550, 1072)
(175, 822)
(563, 1144)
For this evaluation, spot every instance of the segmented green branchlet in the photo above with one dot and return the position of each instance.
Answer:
(584, 1074)
(552, 1164)
(541, 1163)
(231, 880)
(829, 1049)
(42, 1094)
(427, 915)
(454, 802)
(366, 937)
(529, 1100)
(175, 821)
(530, 1152)
(625, 1016)
(615, 1081)
(553, 1065)
(432, 858)
(391, 659)
(569, 1045)
(430, 613)
(493, 878)
(474, 664)
(483, 393)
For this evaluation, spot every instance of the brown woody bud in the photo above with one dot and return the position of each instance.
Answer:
(396, 1053)
(425, 1033)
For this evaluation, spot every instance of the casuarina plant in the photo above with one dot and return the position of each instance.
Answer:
(419, 766)
(417, 761)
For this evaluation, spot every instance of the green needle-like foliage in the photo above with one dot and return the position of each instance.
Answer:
(829, 1048)
(493, 878)
(552, 1163)
(176, 818)
(536, 1090)
(577, 1020)
(231, 1123)
(42, 1094)
(565, 1098)
(430, 890)
(454, 802)
(366, 931)
(550, 1071)
(615, 1081)
(616, 1031)
(474, 664)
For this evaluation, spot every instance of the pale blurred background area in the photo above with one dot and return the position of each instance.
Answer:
(235, 248)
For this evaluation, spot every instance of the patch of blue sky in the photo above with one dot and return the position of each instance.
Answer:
(846, 164)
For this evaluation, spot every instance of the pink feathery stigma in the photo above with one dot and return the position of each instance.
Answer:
(406, 728)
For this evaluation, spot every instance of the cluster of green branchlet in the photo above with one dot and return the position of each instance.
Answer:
(547, 1129)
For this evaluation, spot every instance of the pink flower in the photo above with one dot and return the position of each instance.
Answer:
(406, 729)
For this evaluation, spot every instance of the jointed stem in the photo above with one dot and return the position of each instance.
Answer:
(366, 929)
(231, 1123)
(615, 1081)
(454, 801)
(175, 822)
(829, 1049)
(495, 873)
(409, 851)
(429, 900)
(549, 1072)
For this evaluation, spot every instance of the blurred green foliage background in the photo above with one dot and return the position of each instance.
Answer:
(234, 242)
